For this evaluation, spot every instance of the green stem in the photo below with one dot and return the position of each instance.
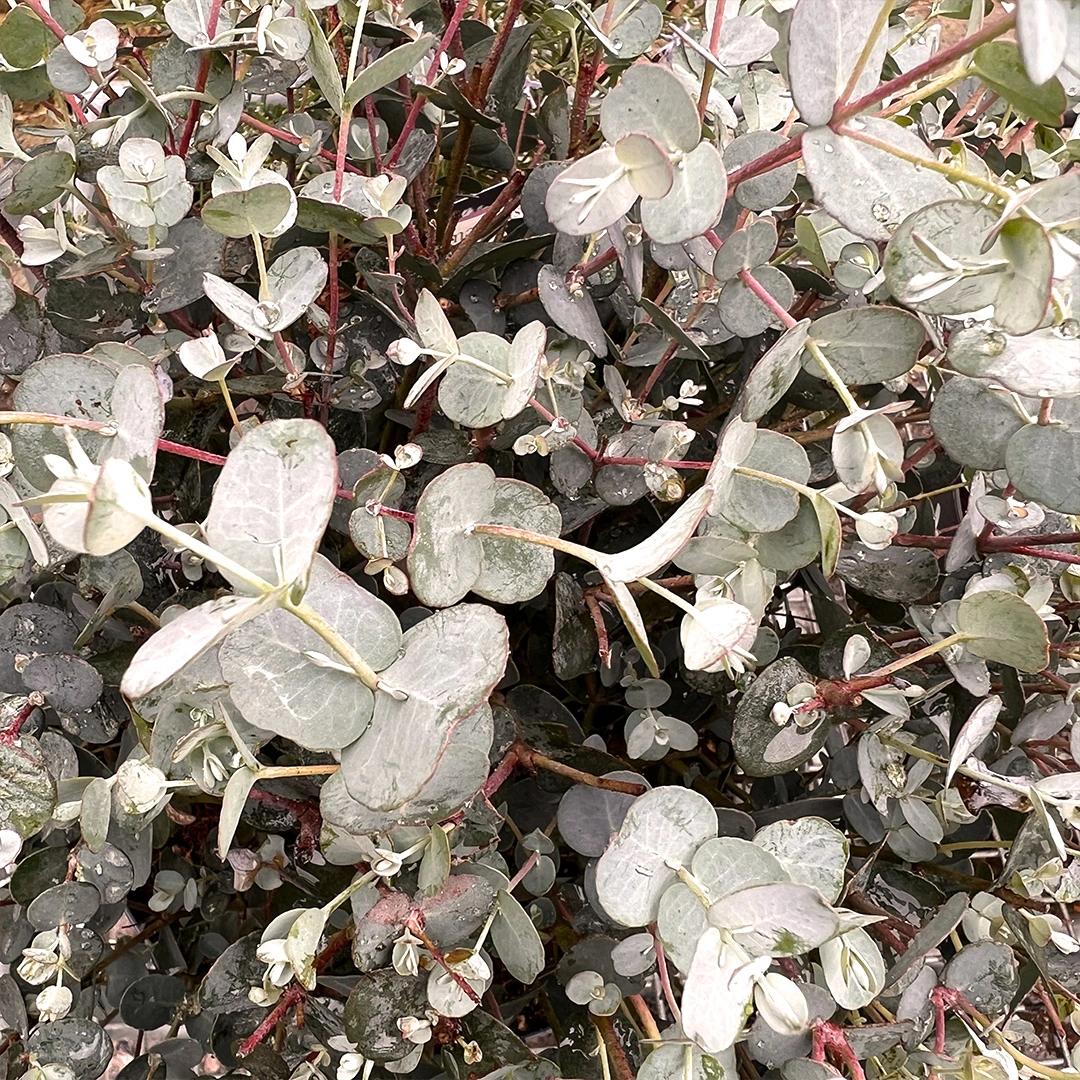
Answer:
(302, 610)
(358, 33)
(229, 405)
(951, 172)
(782, 481)
(880, 23)
(472, 361)
(972, 774)
(459, 156)
(310, 617)
(974, 845)
(542, 539)
(211, 555)
(260, 258)
(921, 654)
(354, 886)
(669, 596)
(833, 376)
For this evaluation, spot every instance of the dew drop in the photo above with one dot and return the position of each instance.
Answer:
(267, 313)
(994, 344)
(553, 286)
(828, 148)
(881, 211)
(1070, 328)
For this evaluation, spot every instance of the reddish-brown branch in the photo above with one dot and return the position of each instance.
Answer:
(766, 298)
(491, 64)
(586, 80)
(295, 995)
(433, 70)
(1005, 543)
(829, 1036)
(939, 60)
(505, 203)
(307, 814)
(200, 81)
(603, 646)
(293, 140)
(531, 759)
(658, 371)
(33, 701)
(1017, 140)
(791, 150)
(616, 1052)
(415, 926)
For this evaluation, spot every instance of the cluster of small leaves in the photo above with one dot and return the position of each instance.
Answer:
(540, 540)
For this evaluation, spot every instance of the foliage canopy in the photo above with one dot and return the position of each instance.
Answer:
(540, 540)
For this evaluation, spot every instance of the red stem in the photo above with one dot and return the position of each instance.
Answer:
(665, 976)
(369, 113)
(332, 329)
(293, 996)
(1017, 140)
(200, 81)
(342, 147)
(586, 80)
(1040, 553)
(390, 511)
(433, 69)
(927, 67)
(830, 1036)
(766, 298)
(791, 150)
(293, 140)
(517, 879)
(487, 72)
(181, 450)
(658, 371)
(33, 701)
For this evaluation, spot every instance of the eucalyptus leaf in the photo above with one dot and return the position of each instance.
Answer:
(516, 940)
(387, 69)
(651, 100)
(1003, 629)
(257, 210)
(1041, 461)
(636, 869)
(273, 500)
(866, 188)
(448, 666)
(286, 679)
(867, 344)
(27, 787)
(827, 40)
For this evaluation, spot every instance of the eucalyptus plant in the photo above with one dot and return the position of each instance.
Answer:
(540, 540)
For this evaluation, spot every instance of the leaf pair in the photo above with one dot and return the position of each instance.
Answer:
(655, 152)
